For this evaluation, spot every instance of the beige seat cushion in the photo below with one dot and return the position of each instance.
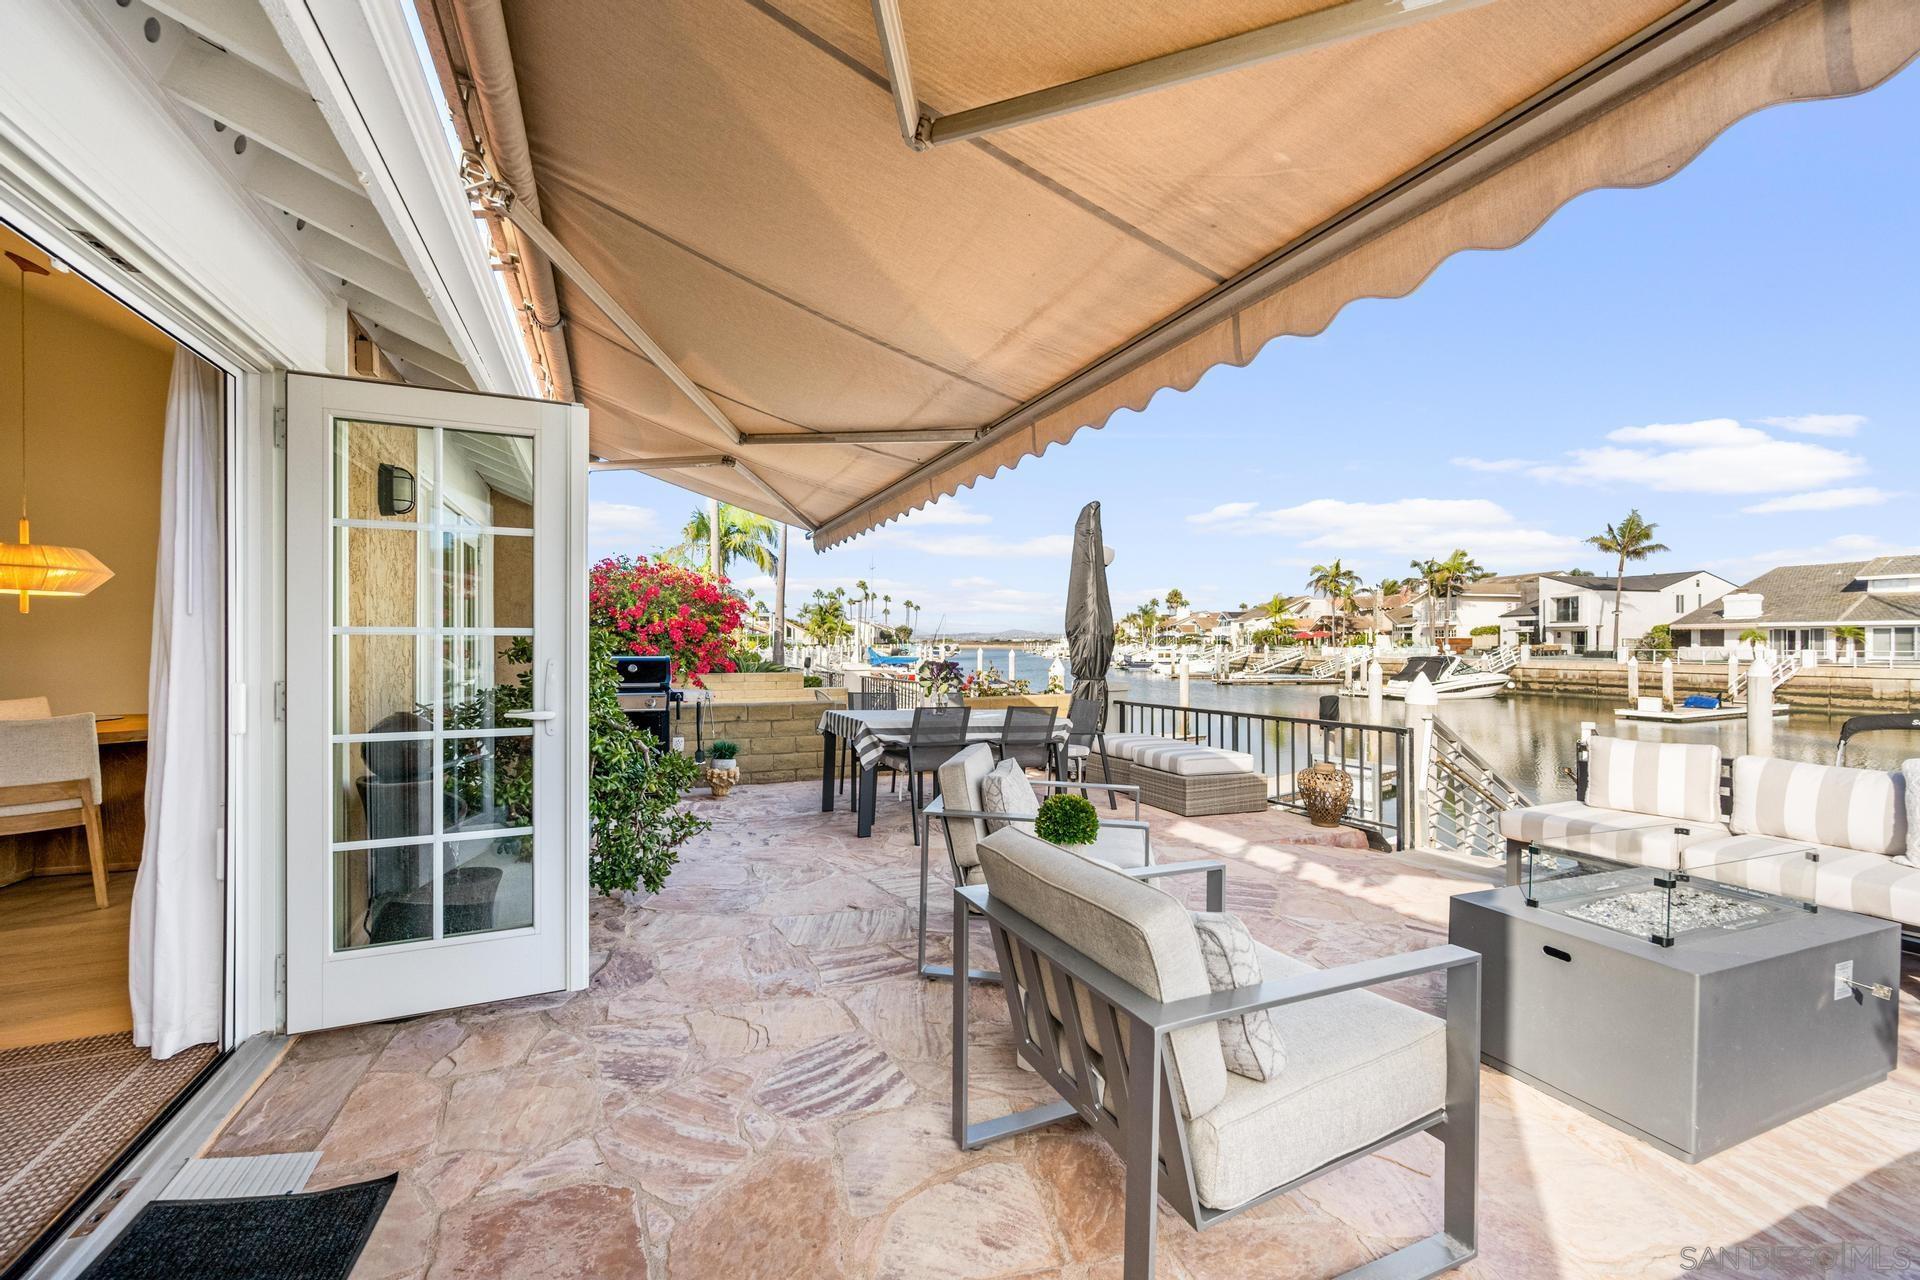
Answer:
(1863, 809)
(1118, 846)
(1666, 779)
(1190, 759)
(1359, 1066)
(960, 789)
(1652, 844)
(1872, 884)
(1142, 936)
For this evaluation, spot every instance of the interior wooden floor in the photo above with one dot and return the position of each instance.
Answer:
(63, 961)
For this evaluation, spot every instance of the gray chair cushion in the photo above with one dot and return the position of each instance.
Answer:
(960, 789)
(1250, 1042)
(1911, 771)
(1142, 936)
(1006, 789)
(1864, 809)
(1359, 1066)
(1667, 779)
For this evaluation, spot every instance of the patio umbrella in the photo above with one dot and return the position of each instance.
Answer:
(1089, 611)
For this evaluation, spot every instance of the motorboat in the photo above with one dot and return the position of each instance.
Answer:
(1453, 677)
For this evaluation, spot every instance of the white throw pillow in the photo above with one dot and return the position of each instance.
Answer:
(1250, 1042)
(1007, 790)
(1912, 856)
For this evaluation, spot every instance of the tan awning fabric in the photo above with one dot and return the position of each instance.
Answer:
(732, 171)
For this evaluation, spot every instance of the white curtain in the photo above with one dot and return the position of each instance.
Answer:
(176, 944)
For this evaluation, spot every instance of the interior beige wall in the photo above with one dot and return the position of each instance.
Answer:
(97, 383)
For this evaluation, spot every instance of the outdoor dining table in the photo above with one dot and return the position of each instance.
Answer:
(871, 734)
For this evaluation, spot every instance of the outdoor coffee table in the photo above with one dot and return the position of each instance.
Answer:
(1689, 1013)
(871, 734)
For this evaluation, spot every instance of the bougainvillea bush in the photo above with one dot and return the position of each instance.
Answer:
(651, 607)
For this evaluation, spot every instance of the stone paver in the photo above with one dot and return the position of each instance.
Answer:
(755, 1085)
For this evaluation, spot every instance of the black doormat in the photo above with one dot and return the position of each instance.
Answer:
(313, 1235)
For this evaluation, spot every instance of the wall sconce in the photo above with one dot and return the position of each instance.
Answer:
(396, 490)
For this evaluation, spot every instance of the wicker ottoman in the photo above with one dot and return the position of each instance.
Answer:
(1190, 796)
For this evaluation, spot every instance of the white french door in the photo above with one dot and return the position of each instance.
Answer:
(436, 699)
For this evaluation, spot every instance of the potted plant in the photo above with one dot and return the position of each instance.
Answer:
(939, 682)
(725, 756)
(1066, 819)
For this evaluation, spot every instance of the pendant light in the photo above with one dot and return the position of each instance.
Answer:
(27, 568)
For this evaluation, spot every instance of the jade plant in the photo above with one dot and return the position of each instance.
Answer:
(1067, 819)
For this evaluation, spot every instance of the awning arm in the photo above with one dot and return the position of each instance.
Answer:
(691, 462)
(879, 435)
(1315, 30)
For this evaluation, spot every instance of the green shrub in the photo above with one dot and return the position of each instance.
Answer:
(637, 820)
(1486, 629)
(1067, 819)
(724, 750)
(812, 682)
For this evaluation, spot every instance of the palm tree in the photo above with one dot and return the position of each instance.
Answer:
(744, 536)
(1631, 539)
(886, 614)
(1381, 590)
(1336, 582)
(1176, 601)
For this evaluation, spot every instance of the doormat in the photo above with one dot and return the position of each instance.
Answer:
(314, 1235)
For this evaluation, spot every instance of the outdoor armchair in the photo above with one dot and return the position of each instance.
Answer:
(965, 815)
(1109, 1001)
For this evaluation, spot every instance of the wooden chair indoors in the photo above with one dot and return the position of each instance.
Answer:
(50, 780)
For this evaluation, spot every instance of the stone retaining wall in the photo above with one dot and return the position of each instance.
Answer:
(1840, 689)
(779, 741)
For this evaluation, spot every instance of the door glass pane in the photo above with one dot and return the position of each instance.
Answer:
(489, 783)
(386, 789)
(489, 884)
(380, 685)
(383, 472)
(382, 896)
(433, 548)
(381, 578)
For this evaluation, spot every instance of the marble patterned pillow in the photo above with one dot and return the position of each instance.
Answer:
(1007, 790)
(1912, 856)
(1250, 1042)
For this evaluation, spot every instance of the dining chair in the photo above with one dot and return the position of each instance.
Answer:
(1086, 734)
(1026, 735)
(25, 708)
(937, 733)
(862, 700)
(50, 780)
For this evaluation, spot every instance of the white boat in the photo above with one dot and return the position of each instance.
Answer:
(1454, 678)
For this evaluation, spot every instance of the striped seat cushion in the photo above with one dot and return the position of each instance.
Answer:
(1120, 746)
(1862, 809)
(1190, 759)
(1843, 879)
(1643, 841)
(1666, 779)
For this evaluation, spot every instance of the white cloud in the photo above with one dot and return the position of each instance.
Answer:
(1714, 456)
(1495, 464)
(1406, 527)
(619, 528)
(979, 545)
(1821, 500)
(1225, 511)
(947, 511)
(1820, 424)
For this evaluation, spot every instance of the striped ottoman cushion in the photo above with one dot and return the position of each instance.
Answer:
(1190, 759)
(1862, 809)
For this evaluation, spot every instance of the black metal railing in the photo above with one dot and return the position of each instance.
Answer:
(1378, 757)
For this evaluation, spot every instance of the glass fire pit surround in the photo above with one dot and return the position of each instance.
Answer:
(1642, 883)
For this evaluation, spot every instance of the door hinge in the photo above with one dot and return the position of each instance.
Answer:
(280, 426)
(280, 978)
(280, 700)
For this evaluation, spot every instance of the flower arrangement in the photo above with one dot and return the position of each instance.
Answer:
(1054, 683)
(651, 607)
(938, 681)
(1067, 819)
(988, 682)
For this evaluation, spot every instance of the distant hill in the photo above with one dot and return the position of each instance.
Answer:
(1015, 634)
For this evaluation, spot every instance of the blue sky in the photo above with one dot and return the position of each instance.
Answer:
(1732, 351)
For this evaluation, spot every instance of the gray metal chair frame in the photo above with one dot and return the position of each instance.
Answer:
(937, 733)
(1026, 735)
(1138, 1115)
(861, 700)
(1086, 719)
(937, 808)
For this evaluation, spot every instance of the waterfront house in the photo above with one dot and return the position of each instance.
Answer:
(1575, 611)
(1802, 606)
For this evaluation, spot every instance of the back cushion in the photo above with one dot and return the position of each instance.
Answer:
(960, 789)
(1666, 779)
(1139, 934)
(1862, 809)
(1007, 790)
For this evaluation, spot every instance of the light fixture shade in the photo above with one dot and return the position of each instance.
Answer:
(29, 569)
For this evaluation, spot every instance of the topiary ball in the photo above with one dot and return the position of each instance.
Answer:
(1067, 819)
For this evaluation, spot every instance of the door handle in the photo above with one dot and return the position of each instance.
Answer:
(548, 716)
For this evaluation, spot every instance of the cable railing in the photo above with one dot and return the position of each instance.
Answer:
(1378, 757)
(1462, 797)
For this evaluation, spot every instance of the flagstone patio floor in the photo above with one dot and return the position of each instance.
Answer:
(755, 1085)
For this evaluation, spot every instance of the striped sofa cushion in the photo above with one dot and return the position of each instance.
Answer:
(1862, 809)
(1190, 759)
(1666, 779)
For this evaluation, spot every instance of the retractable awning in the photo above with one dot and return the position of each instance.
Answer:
(854, 302)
